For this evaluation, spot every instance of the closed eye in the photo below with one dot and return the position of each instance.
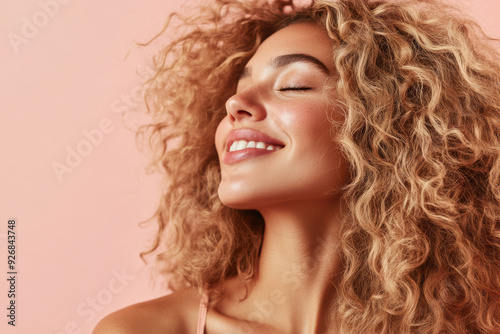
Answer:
(282, 89)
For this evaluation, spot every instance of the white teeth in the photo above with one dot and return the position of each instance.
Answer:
(243, 144)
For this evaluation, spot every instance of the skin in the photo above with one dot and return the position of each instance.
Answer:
(309, 167)
(296, 189)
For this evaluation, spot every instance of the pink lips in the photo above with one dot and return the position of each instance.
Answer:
(247, 153)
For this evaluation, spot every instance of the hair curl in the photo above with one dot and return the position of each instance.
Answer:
(420, 88)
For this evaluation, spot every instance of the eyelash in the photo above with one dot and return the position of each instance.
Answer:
(282, 89)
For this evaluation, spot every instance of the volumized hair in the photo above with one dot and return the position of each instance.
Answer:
(419, 86)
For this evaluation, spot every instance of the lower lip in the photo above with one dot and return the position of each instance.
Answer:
(245, 154)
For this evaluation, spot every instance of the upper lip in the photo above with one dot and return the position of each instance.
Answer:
(250, 135)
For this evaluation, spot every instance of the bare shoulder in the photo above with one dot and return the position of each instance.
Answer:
(174, 313)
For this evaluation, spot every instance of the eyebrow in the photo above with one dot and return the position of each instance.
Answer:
(287, 59)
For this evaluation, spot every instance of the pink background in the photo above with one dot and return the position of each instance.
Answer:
(78, 235)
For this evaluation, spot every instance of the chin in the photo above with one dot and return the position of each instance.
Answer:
(239, 201)
(238, 205)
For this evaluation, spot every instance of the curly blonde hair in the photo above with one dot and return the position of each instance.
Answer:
(420, 88)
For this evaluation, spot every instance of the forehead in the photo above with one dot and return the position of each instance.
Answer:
(299, 38)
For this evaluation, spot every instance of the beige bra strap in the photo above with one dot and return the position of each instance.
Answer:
(202, 315)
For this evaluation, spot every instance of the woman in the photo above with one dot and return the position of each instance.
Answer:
(354, 184)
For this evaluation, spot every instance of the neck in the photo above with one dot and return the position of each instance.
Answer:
(298, 262)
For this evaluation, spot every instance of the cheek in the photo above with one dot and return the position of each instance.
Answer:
(307, 122)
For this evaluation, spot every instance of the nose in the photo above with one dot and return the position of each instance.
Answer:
(245, 106)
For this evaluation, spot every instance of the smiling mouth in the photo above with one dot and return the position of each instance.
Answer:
(239, 145)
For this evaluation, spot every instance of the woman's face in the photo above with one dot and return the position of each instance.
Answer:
(274, 145)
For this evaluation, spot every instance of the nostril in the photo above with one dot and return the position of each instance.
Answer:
(244, 106)
(243, 113)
